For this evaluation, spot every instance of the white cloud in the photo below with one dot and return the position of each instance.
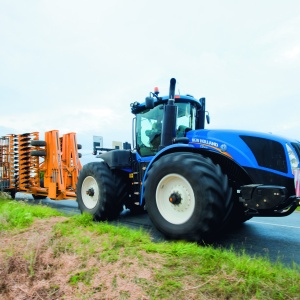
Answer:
(77, 66)
(293, 54)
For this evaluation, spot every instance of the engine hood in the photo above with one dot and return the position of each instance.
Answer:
(248, 148)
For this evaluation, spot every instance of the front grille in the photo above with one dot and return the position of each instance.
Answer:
(268, 153)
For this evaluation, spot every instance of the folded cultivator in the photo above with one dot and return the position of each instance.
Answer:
(43, 168)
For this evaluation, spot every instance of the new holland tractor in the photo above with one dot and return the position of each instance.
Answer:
(193, 182)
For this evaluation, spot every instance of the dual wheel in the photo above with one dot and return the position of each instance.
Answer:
(186, 195)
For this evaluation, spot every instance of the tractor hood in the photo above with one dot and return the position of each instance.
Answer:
(248, 148)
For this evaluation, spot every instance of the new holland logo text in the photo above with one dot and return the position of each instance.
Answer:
(206, 142)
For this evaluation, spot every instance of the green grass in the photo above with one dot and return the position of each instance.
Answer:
(180, 270)
(17, 215)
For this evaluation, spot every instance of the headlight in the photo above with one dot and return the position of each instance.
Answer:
(294, 161)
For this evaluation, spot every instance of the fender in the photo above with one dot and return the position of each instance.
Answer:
(186, 148)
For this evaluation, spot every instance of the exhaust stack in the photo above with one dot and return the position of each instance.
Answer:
(169, 120)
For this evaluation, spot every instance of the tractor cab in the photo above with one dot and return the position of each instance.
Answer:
(154, 119)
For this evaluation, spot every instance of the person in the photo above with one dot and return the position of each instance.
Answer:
(155, 136)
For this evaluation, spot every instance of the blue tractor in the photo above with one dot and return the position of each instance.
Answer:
(193, 182)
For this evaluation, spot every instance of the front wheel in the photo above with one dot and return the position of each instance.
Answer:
(97, 192)
(187, 196)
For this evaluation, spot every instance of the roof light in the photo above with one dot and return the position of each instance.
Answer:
(156, 90)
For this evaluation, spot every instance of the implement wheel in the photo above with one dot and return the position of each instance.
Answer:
(97, 192)
(38, 153)
(38, 143)
(187, 196)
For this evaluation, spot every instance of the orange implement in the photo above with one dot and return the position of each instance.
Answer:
(46, 168)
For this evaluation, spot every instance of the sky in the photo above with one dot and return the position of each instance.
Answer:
(75, 66)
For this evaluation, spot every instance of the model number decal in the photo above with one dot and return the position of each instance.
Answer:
(206, 142)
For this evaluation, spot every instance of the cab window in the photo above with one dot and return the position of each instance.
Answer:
(149, 126)
(186, 119)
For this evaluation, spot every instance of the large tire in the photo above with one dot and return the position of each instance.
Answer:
(121, 181)
(97, 192)
(200, 195)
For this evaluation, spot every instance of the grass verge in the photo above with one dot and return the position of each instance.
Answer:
(78, 258)
(18, 215)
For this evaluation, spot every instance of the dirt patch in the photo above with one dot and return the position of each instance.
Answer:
(31, 267)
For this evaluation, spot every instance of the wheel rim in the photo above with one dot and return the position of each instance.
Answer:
(175, 213)
(89, 198)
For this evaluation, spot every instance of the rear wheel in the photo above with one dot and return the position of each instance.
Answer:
(122, 188)
(187, 196)
(97, 192)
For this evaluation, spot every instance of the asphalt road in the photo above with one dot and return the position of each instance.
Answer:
(275, 238)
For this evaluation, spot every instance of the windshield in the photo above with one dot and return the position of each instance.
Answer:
(149, 126)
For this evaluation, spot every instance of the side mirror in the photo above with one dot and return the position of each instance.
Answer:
(149, 102)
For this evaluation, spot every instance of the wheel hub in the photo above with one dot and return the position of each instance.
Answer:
(90, 192)
(175, 198)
